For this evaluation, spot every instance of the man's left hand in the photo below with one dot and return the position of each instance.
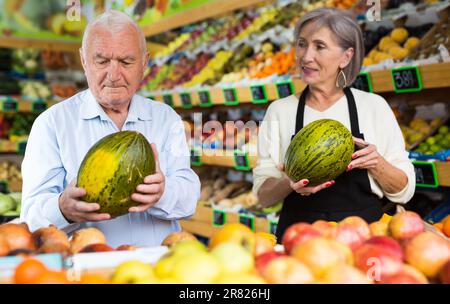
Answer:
(150, 192)
(366, 158)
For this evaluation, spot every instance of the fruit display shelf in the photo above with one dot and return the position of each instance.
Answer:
(429, 76)
(216, 8)
(7, 146)
(206, 221)
(225, 158)
(14, 105)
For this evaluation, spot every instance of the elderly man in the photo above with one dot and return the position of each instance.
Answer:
(114, 57)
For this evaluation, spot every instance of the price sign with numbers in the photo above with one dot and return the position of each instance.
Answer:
(426, 174)
(205, 99)
(247, 220)
(21, 146)
(196, 159)
(186, 101)
(230, 95)
(219, 218)
(363, 82)
(285, 89)
(39, 107)
(273, 226)
(168, 100)
(10, 106)
(406, 79)
(4, 186)
(259, 94)
(241, 161)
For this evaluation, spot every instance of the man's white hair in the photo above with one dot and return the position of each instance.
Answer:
(114, 21)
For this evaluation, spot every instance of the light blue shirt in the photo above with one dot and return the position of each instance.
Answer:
(60, 138)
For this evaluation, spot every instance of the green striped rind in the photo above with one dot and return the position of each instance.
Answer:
(320, 152)
(113, 168)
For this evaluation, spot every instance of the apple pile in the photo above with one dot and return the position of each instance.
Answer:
(394, 250)
(17, 239)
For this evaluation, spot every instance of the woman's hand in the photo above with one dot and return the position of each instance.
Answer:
(366, 158)
(301, 186)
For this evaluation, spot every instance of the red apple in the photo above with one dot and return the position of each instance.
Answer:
(377, 262)
(444, 273)
(287, 270)
(407, 275)
(428, 253)
(98, 247)
(126, 247)
(378, 228)
(359, 224)
(298, 234)
(319, 254)
(322, 226)
(346, 234)
(405, 225)
(344, 274)
(263, 259)
(389, 244)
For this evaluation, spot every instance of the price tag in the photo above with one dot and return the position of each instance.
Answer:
(426, 175)
(4, 186)
(247, 220)
(168, 100)
(406, 79)
(186, 101)
(230, 95)
(205, 99)
(363, 82)
(285, 89)
(196, 159)
(21, 146)
(10, 106)
(241, 161)
(39, 107)
(259, 94)
(219, 218)
(273, 227)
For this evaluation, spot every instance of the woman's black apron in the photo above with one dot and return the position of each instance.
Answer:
(350, 195)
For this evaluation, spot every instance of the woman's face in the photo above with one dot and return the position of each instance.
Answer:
(320, 56)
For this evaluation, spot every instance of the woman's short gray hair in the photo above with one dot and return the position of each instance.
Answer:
(346, 31)
(114, 21)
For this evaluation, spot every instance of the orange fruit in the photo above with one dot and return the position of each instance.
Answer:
(29, 271)
(438, 226)
(52, 277)
(91, 278)
(446, 226)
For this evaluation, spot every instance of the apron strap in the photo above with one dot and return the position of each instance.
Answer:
(354, 123)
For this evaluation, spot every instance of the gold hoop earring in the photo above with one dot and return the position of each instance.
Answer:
(341, 83)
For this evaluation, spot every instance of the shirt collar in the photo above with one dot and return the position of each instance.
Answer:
(139, 108)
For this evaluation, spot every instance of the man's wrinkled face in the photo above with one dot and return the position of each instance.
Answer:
(114, 65)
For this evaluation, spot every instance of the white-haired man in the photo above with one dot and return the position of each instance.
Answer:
(114, 57)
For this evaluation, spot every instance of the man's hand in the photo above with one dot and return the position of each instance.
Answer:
(301, 186)
(150, 192)
(77, 211)
(366, 158)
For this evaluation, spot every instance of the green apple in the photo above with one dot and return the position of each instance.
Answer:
(132, 272)
(164, 267)
(197, 268)
(188, 247)
(234, 258)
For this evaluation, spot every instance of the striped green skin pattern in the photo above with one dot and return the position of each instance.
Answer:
(319, 152)
(113, 168)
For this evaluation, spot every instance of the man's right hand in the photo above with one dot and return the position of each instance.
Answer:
(77, 211)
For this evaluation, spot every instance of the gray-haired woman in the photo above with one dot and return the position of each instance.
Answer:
(329, 54)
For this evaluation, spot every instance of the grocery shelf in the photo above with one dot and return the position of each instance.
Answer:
(433, 76)
(443, 173)
(59, 45)
(13, 105)
(202, 222)
(205, 11)
(225, 158)
(12, 146)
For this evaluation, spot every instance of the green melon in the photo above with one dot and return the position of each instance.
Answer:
(319, 152)
(113, 168)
